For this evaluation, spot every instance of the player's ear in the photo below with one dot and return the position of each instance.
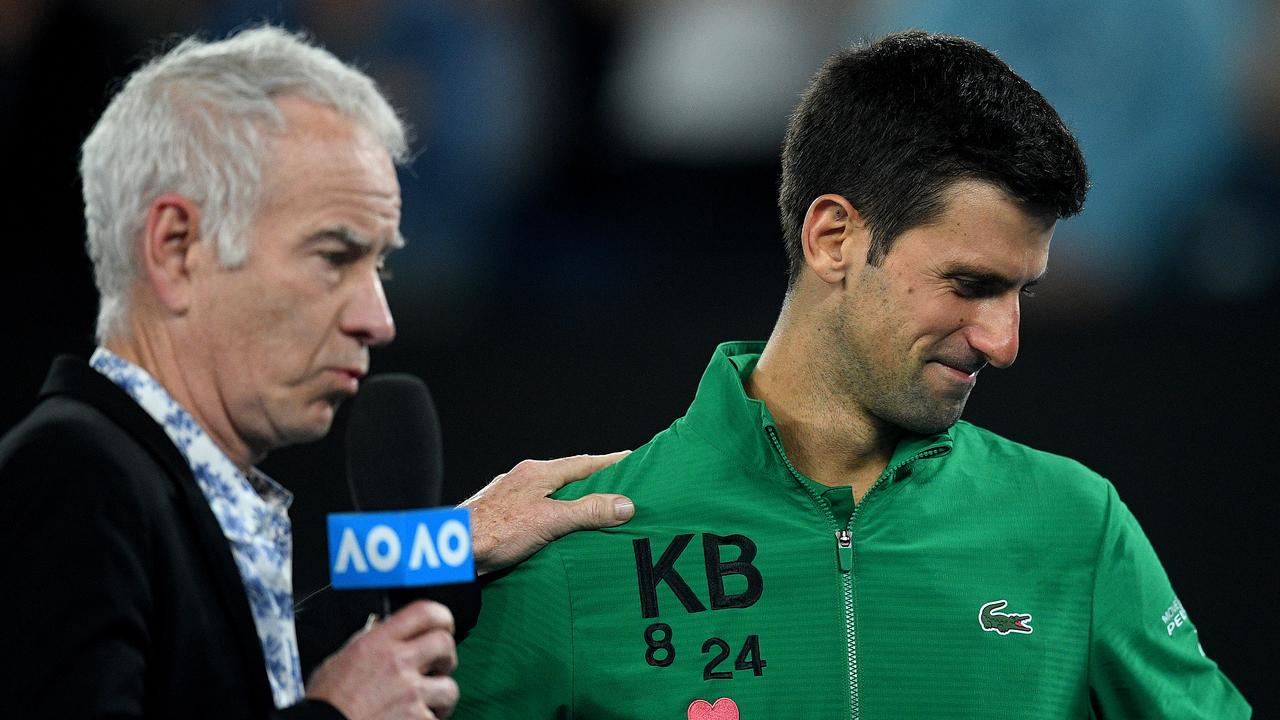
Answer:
(834, 237)
(171, 249)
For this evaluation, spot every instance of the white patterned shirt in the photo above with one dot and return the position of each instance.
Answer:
(252, 511)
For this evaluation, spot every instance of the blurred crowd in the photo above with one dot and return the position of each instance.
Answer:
(528, 115)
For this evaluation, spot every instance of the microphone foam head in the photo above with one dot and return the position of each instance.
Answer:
(394, 458)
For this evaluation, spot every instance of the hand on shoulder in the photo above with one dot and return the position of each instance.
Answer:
(513, 516)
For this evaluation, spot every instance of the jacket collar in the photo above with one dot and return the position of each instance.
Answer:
(72, 377)
(740, 426)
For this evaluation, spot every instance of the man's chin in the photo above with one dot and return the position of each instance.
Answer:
(929, 428)
(311, 428)
(932, 420)
(301, 436)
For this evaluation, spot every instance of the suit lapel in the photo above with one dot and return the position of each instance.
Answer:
(70, 376)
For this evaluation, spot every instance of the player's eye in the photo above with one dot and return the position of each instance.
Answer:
(973, 288)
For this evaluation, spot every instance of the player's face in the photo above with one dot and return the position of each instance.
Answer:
(288, 331)
(913, 333)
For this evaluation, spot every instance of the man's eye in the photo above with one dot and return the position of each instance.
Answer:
(1028, 292)
(384, 272)
(341, 258)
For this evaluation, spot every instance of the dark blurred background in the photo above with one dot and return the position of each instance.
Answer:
(592, 210)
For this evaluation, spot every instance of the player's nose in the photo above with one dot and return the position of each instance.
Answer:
(994, 331)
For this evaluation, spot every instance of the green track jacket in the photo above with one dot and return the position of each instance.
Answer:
(977, 579)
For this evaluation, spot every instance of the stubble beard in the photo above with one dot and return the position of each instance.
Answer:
(901, 397)
(895, 393)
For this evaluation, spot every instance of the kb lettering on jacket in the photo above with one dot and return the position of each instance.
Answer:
(649, 574)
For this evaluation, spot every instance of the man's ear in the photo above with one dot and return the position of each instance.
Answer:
(834, 237)
(171, 249)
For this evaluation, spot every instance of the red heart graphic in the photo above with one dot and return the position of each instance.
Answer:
(724, 709)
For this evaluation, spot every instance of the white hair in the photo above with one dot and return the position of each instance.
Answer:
(195, 121)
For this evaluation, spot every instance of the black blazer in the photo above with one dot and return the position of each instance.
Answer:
(121, 596)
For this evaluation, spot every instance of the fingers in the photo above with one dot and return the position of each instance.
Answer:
(427, 628)
(563, 471)
(512, 517)
(397, 668)
(416, 618)
(440, 695)
(435, 653)
(531, 480)
(590, 512)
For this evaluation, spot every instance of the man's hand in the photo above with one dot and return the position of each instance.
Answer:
(399, 668)
(513, 517)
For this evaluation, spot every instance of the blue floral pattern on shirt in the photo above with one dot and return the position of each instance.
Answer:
(253, 511)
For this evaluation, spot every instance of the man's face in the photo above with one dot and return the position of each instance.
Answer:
(285, 336)
(912, 334)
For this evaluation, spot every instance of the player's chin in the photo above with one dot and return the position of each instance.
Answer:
(930, 426)
(934, 415)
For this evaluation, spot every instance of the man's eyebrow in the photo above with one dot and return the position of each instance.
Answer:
(986, 276)
(355, 240)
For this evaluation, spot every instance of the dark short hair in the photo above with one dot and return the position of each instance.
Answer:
(892, 125)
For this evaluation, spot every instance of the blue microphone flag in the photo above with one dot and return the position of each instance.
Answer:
(402, 548)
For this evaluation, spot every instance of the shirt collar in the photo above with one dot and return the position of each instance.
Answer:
(217, 475)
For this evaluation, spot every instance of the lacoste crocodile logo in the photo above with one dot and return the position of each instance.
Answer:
(990, 618)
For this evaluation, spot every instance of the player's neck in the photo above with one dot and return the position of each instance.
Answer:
(830, 440)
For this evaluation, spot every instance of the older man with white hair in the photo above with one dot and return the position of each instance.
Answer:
(240, 200)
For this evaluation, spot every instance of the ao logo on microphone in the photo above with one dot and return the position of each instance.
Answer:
(400, 549)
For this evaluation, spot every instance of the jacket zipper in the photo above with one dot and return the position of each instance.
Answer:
(844, 544)
(846, 576)
(844, 551)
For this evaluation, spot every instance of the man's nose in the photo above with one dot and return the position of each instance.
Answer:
(367, 316)
(994, 331)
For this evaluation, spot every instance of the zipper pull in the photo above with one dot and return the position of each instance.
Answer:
(844, 550)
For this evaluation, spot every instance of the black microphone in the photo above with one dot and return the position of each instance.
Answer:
(394, 462)
(394, 448)
(394, 458)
